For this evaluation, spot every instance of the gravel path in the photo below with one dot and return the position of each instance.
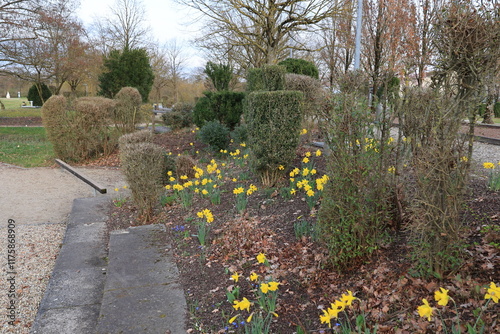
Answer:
(39, 200)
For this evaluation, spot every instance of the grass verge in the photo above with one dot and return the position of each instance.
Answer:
(25, 146)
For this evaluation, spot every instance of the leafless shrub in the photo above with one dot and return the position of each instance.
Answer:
(143, 165)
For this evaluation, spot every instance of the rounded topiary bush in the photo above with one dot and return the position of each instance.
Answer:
(300, 66)
(177, 119)
(215, 135)
(314, 94)
(34, 95)
(126, 113)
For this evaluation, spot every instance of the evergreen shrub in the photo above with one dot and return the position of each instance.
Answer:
(240, 134)
(300, 66)
(214, 134)
(177, 119)
(223, 106)
(268, 77)
(273, 119)
(219, 74)
(34, 95)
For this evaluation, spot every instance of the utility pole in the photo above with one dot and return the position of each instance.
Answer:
(359, 20)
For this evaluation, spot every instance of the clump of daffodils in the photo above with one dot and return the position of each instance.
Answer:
(257, 312)
(494, 176)
(242, 197)
(336, 307)
(442, 298)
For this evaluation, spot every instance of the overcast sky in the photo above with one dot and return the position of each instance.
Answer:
(166, 19)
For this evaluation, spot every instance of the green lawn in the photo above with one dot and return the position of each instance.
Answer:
(25, 146)
(13, 108)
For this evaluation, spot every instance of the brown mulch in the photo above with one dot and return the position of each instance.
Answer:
(388, 292)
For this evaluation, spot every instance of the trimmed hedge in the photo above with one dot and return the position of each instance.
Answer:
(268, 78)
(300, 66)
(83, 132)
(143, 165)
(273, 120)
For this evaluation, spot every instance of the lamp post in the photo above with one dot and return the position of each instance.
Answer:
(359, 21)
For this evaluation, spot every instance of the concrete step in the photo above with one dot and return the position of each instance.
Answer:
(132, 288)
(142, 293)
(73, 297)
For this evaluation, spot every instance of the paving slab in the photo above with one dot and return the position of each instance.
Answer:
(142, 293)
(72, 301)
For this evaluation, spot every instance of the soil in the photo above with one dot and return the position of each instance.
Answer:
(387, 291)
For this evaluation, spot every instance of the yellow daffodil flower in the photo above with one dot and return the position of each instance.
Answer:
(347, 299)
(238, 190)
(425, 310)
(489, 165)
(253, 277)
(264, 287)
(233, 319)
(493, 292)
(235, 277)
(261, 258)
(441, 296)
(273, 286)
(244, 304)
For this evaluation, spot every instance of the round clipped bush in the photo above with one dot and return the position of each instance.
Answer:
(127, 113)
(215, 135)
(177, 119)
(312, 89)
(300, 66)
(34, 95)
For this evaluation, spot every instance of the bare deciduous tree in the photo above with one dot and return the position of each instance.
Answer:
(265, 29)
(125, 27)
